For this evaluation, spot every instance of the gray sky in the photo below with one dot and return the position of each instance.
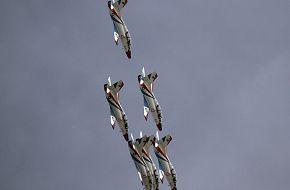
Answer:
(224, 89)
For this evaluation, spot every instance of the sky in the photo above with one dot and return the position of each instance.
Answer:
(223, 86)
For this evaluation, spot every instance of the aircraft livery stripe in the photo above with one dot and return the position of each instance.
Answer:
(133, 149)
(134, 158)
(145, 153)
(160, 151)
(117, 15)
(114, 19)
(145, 87)
(143, 92)
(116, 102)
(147, 159)
(111, 103)
(161, 157)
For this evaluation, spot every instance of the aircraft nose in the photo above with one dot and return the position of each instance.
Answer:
(153, 140)
(126, 137)
(128, 54)
(159, 126)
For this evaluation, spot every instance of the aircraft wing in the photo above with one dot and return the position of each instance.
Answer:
(116, 35)
(140, 177)
(161, 175)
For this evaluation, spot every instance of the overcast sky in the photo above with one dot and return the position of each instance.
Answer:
(223, 86)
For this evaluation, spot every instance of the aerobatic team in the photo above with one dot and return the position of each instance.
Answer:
(139, 148)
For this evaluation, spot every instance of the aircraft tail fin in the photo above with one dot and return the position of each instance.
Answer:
(109, 81)
(157, 135)
(133, 140)
(143, 72)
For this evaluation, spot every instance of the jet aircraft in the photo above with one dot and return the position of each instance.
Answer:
(116, 110)
(150, 101)
(120, 29)
(165, 166)
(149, 162)
(135, 148)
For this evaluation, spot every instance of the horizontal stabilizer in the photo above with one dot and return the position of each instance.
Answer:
(150, 142)
(152, 77)
(165, 140)
(116, 87)
(119, 4)
(140, 142)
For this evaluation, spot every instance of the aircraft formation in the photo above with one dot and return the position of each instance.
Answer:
(139, 148)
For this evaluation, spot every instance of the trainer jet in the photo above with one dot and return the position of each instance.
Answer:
(149, 162)
(135, 148)
(120, 29)
(116, 110)
(150, 102)
(165, 166)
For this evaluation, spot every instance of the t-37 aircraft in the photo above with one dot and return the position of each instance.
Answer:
(120, 29)
(116, 110)
(150, 102)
